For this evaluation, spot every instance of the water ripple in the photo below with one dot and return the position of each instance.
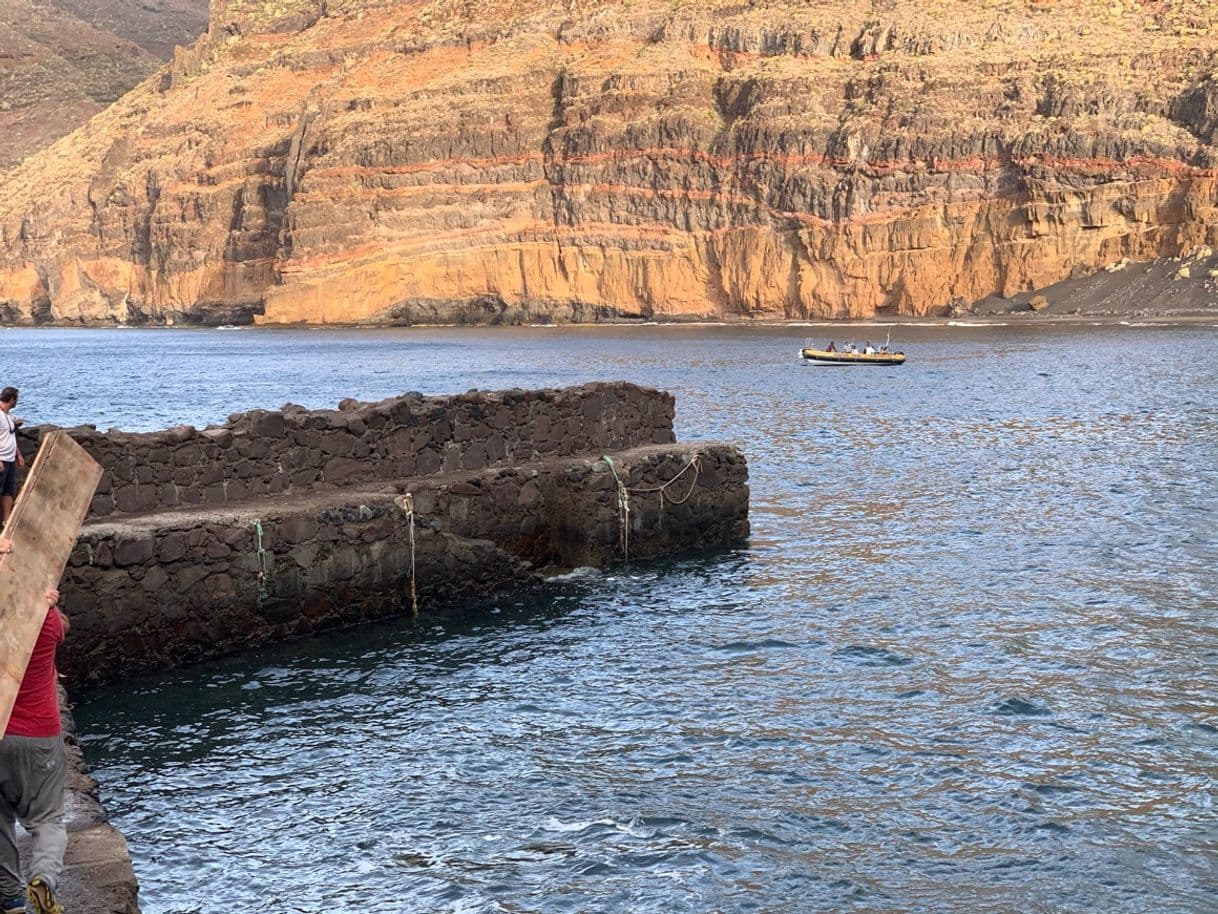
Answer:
(967, 664)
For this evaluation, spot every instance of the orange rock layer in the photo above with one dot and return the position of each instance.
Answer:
(375, 161)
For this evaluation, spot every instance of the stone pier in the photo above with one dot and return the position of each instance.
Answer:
(279, 524)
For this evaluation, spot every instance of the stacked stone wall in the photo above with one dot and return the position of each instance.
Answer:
(261, 453)
(156, 591)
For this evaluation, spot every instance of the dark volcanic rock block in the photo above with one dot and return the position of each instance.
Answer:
(263, 452)
(162, 589)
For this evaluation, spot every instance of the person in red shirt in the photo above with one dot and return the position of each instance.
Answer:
(32, 772)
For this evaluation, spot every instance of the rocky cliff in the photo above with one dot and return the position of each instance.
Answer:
(377, 161)
(62, 61)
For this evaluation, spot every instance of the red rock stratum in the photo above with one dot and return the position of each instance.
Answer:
(452, 161)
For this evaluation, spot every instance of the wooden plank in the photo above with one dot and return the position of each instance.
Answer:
(43, 527)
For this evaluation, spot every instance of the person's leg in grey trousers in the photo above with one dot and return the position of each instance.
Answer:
(32, 771)
(11, 884)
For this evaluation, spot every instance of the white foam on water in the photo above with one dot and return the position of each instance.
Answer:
(583, 573)
(634, 828)
(851, 324)
(552, 823)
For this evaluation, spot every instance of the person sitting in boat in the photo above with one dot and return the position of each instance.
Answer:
(869, 349)
(851, 348)
(832, 347)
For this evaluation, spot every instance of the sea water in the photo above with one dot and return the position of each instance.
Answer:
(968, 661)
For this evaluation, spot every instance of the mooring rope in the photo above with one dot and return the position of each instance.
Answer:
(262, 562)
(624, 492)
(406, 502)
(623, 508)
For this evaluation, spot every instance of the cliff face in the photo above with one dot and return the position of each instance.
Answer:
(62, 61)
(347, 161)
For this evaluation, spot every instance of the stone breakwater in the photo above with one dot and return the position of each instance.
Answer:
(263, 453)
(278, 524)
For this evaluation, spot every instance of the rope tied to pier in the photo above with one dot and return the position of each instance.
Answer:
(262, 562)
(407, 504)
(624, 492)
(623, 508)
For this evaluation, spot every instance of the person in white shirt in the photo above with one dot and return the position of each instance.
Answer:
(10, 455)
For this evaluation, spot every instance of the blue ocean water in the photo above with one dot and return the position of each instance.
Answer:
(967, 663)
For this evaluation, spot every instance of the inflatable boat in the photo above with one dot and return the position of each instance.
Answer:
(828, 357)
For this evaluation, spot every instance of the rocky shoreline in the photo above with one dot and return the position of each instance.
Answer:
(1181, 289)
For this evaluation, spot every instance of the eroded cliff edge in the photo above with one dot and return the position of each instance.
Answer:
(375, 161)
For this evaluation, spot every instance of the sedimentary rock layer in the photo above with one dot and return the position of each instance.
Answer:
(368, 161)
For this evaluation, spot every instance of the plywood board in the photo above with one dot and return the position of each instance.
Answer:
(43, 527)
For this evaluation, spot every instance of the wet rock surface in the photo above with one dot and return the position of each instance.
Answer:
(154, 591)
